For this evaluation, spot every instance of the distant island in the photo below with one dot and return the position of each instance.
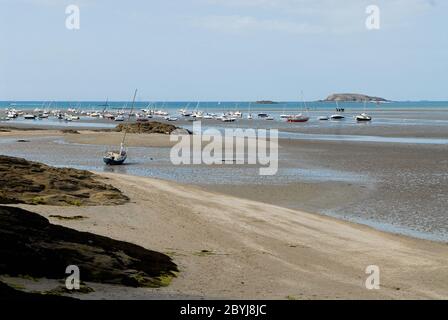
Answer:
(266, 102)
(353, 97)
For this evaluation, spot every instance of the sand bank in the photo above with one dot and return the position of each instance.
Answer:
(227, 247)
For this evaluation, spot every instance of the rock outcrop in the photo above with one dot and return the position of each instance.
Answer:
(23, 181)
(266, 102)
(353, 97)
(31, 246)
(147, 127)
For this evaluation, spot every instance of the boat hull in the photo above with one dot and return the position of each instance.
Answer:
(363, 117)
(297, 120)
(113, 162)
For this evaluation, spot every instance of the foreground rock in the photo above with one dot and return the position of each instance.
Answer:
(147, 127)
(9, 293)
(31, 246)
(353, 97)
(23, 181)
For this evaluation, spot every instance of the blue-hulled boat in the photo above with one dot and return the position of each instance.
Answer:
(114, 158)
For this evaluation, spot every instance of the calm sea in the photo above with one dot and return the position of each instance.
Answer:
(216, 106)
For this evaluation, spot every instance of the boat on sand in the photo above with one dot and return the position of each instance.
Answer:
(119, 157)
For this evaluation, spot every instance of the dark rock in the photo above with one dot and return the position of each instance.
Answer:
(11, 294)
(70, 131)
(147, 127)
(23, 181)
(266, 102)
(30, 245)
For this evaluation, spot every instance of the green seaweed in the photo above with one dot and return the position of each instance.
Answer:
(38, 200)
(68, 218)
(204, 253)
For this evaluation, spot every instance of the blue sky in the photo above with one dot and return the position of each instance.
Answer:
(222, 50)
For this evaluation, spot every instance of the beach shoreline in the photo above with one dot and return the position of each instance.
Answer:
(228, 247)
(388, 193)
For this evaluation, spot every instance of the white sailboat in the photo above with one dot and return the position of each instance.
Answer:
(284, 115)
(249, 114)
(299, 117)
(337, 116)
(363, 117)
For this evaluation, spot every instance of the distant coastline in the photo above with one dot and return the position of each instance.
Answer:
(266, 102)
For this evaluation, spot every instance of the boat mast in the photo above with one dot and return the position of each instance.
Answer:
(105, 105)
(303, 101)
(129, 118)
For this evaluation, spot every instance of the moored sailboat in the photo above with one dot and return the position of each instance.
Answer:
(119, 157)
(298, 118)
(363, 117)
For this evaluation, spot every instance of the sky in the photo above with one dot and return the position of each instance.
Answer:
(222, 50)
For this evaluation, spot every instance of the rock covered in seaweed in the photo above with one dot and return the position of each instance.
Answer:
(28, 182)
(32, 246)
(147, 127)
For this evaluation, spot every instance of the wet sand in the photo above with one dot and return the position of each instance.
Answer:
(115, 138)
(402, 191)
(229, 247)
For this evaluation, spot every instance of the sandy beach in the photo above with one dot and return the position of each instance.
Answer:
(228, 247)
(244, 239)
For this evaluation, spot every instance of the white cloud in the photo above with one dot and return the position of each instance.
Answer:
(50, 3)
(313, 5)
(308, 16)
(239, 24)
